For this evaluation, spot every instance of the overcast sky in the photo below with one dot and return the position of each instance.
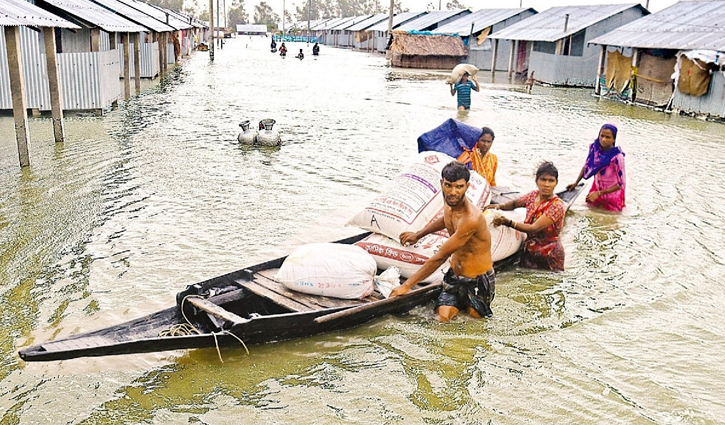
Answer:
(418, 5)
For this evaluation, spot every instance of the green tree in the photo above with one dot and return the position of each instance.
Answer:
(263, 14)
(455, 4)
(302, 12)
(175, 5)
(238, 13)
(398, 7)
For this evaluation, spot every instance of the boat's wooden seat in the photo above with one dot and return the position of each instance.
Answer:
(264, 285)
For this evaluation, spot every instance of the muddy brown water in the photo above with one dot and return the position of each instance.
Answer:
(158, 194)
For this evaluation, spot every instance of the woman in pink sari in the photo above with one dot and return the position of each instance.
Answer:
(606, 163)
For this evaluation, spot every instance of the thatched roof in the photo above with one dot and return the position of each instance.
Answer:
(405, 43)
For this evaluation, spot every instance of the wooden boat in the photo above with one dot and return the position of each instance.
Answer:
(247, 305)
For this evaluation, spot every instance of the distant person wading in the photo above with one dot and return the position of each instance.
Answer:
(463, 88)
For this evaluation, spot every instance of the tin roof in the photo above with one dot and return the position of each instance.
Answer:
(687, 25)
(158, 14)
(331, 23)
(15, 13)
(91, 13)
(351, 22)
(549, 24)
(180, 16)
(426, 21)
(481, 19)
(398, 20)
(315, 25)
(364, 24)
(134, 15)
(344, 23)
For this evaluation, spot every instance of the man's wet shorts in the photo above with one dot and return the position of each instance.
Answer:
(464, 292)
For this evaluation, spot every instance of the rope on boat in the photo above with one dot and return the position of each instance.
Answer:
(181, 329)
(184, 329)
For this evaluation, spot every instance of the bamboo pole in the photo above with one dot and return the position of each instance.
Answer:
(600, 70)
(493, 59)
(126, 66)
(213, 33)
(137, 62)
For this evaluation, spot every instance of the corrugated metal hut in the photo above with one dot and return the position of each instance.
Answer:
(475, 29)
(149, 49)
(337, 34)
(431, 21)
(357, 34)
(553, 45)
(16, 15)
(379, 31)
(432, 51)
(322, 32)
(89, 70)
(251, 29)
(674, 58)
(182, 31)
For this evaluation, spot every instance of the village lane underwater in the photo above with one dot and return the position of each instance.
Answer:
(158, 194)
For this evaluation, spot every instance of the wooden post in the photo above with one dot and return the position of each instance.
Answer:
(17, 87)
(166, 51)
(126, 66)
(493, 59)
(211, 25)
(600, 71)
(512, 44)
(95, 39)
(56, 103)
(137, 61)
(633, 83)
(113, 40)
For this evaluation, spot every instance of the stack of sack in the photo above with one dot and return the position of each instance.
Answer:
(410, 203)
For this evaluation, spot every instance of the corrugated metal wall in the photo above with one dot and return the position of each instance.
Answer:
(482, 55)
(564, 70)
(85, 81)
(578, 70)
(149, 59)
(713, 102)
(34, 70)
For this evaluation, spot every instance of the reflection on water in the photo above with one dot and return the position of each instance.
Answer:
(158, 194)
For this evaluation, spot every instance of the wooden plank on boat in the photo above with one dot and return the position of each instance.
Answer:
(262, 291)
(215, 310)
(266, 278)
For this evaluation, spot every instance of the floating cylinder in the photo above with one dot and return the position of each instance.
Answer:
(247, 136)
(268, 136)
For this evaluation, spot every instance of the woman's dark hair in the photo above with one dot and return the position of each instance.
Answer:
(547, 167)
(455, 171)
(487, 130)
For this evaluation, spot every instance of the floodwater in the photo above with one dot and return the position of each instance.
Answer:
(158, 194)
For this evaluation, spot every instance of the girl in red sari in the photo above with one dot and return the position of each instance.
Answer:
(544, 219)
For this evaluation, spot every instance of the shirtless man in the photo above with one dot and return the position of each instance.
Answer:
(470, 283)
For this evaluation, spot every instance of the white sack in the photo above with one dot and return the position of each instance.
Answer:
(459, 70)
(329, 269)
(387, 281)
(408, 259)
(413, 199)
(505, 241)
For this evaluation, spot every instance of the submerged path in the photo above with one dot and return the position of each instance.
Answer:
(158, 194)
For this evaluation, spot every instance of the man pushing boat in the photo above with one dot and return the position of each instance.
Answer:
(470, 283)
